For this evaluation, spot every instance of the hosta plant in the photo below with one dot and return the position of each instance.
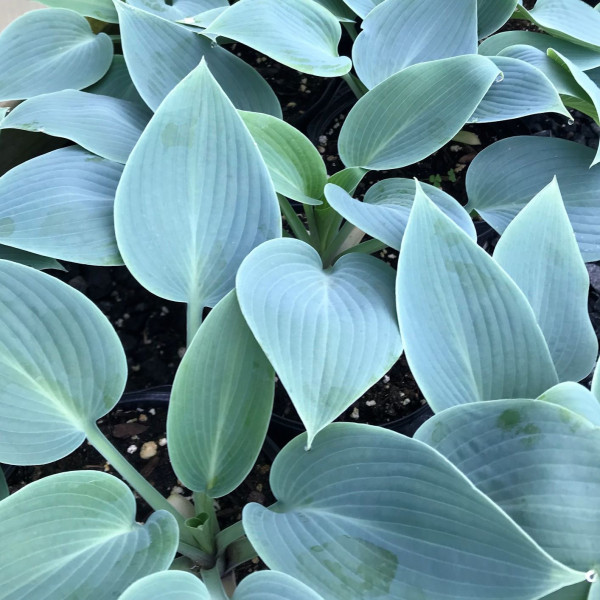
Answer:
(182, 168)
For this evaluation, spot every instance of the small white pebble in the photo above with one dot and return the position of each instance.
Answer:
(177, 490)
(162, 442)
(302, 88)
(164, 310)
(405, 402)
(132, 449)
(391, 256)
(370, 403)
(152, 411)
(148, 450)
(386, 379)
(455, 148)
(181, 352)
(143, 418)
(355, 414)
(323, 140)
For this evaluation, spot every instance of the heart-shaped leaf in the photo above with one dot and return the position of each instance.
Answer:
(298, 33)
(400, 33)
(175, 10)
(369, 513)
(508, 174)
(50, 50)
(221, 403)
(83, 117)
(295, 165)
(103, 10)
(415, 112)
(60, 204)
(492, 14)
(540, 253)
(468, 330)
(584, 58)
(524, 90)
(384, 212)
(167, 585)
(160, 53)
(117, 83)
(79, 530)
(537, 461)
(572, 20)
(61, 364)
(576, 398)
(330, 334)
(29, 258)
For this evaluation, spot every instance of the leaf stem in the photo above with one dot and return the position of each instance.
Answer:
(193, 318)
(212, 581)
(228, 536)
(351, 29)
(293, 220)
(313, 227)
(368, 247)
(337, 242)
(354, 84)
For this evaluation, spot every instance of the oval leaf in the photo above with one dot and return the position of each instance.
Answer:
(384, 212)
(415, 112)
(103, 10)
(468, 330)
(160, 54)
(61, 364)
(50, 50)
(60, 204)
(369, 513)
(29, 258)
(540, 253)
(89, 517)
(197, 153)
(537, 461)
(221, 404)
(400, 33)
(175, 10)
(576, 398)
(508, 174)
(295, 165)
(492, 14)
(320, 327)
(271, 585)
(524, 90)
(298, 33)
(83, 118)
(167, 585)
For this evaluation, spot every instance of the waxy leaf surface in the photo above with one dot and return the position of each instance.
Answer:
(415, 112)
(167, 585)
(369, 513)
(160, 53)
(61, 364)
(117, 83)
(60, 204)
(177, 9)
(537, 461)
(576, 398)
(103, 10)
(492, 14)
(505, 176)
(400, 33)
(198, 187)
(362, 7)
(384, 212)
(540, 253)
(330, 334)
(524, 90)
(29, 258)
(50, 50)
(295, 165)
(469, 332)
(103, 125)
(220, 404)
(79, 530)
(301, 34)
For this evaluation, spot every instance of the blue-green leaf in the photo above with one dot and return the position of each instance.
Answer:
(469, 332)
(103, 10)
(362, 7)
(61, 364)
(29, 258)
(415, 112)
(103, 125)
(74, 535)
(295, 165)
(117, 83)
(400, 33)
(298, 33)
(579, 591)
(384, 212)
(369, 513)
(221, 403)
(4, 491)
(271, 585)
(538, 462)
(584, 58)
(330, 334)
(540, 253)
(167, 585)
(339, 8)
(160, 53)
(198, 188)
(576, 398)
(508, 174)
(523, 90)
(492, 14)
(49, 50)
(60, 204)
(177, 9)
